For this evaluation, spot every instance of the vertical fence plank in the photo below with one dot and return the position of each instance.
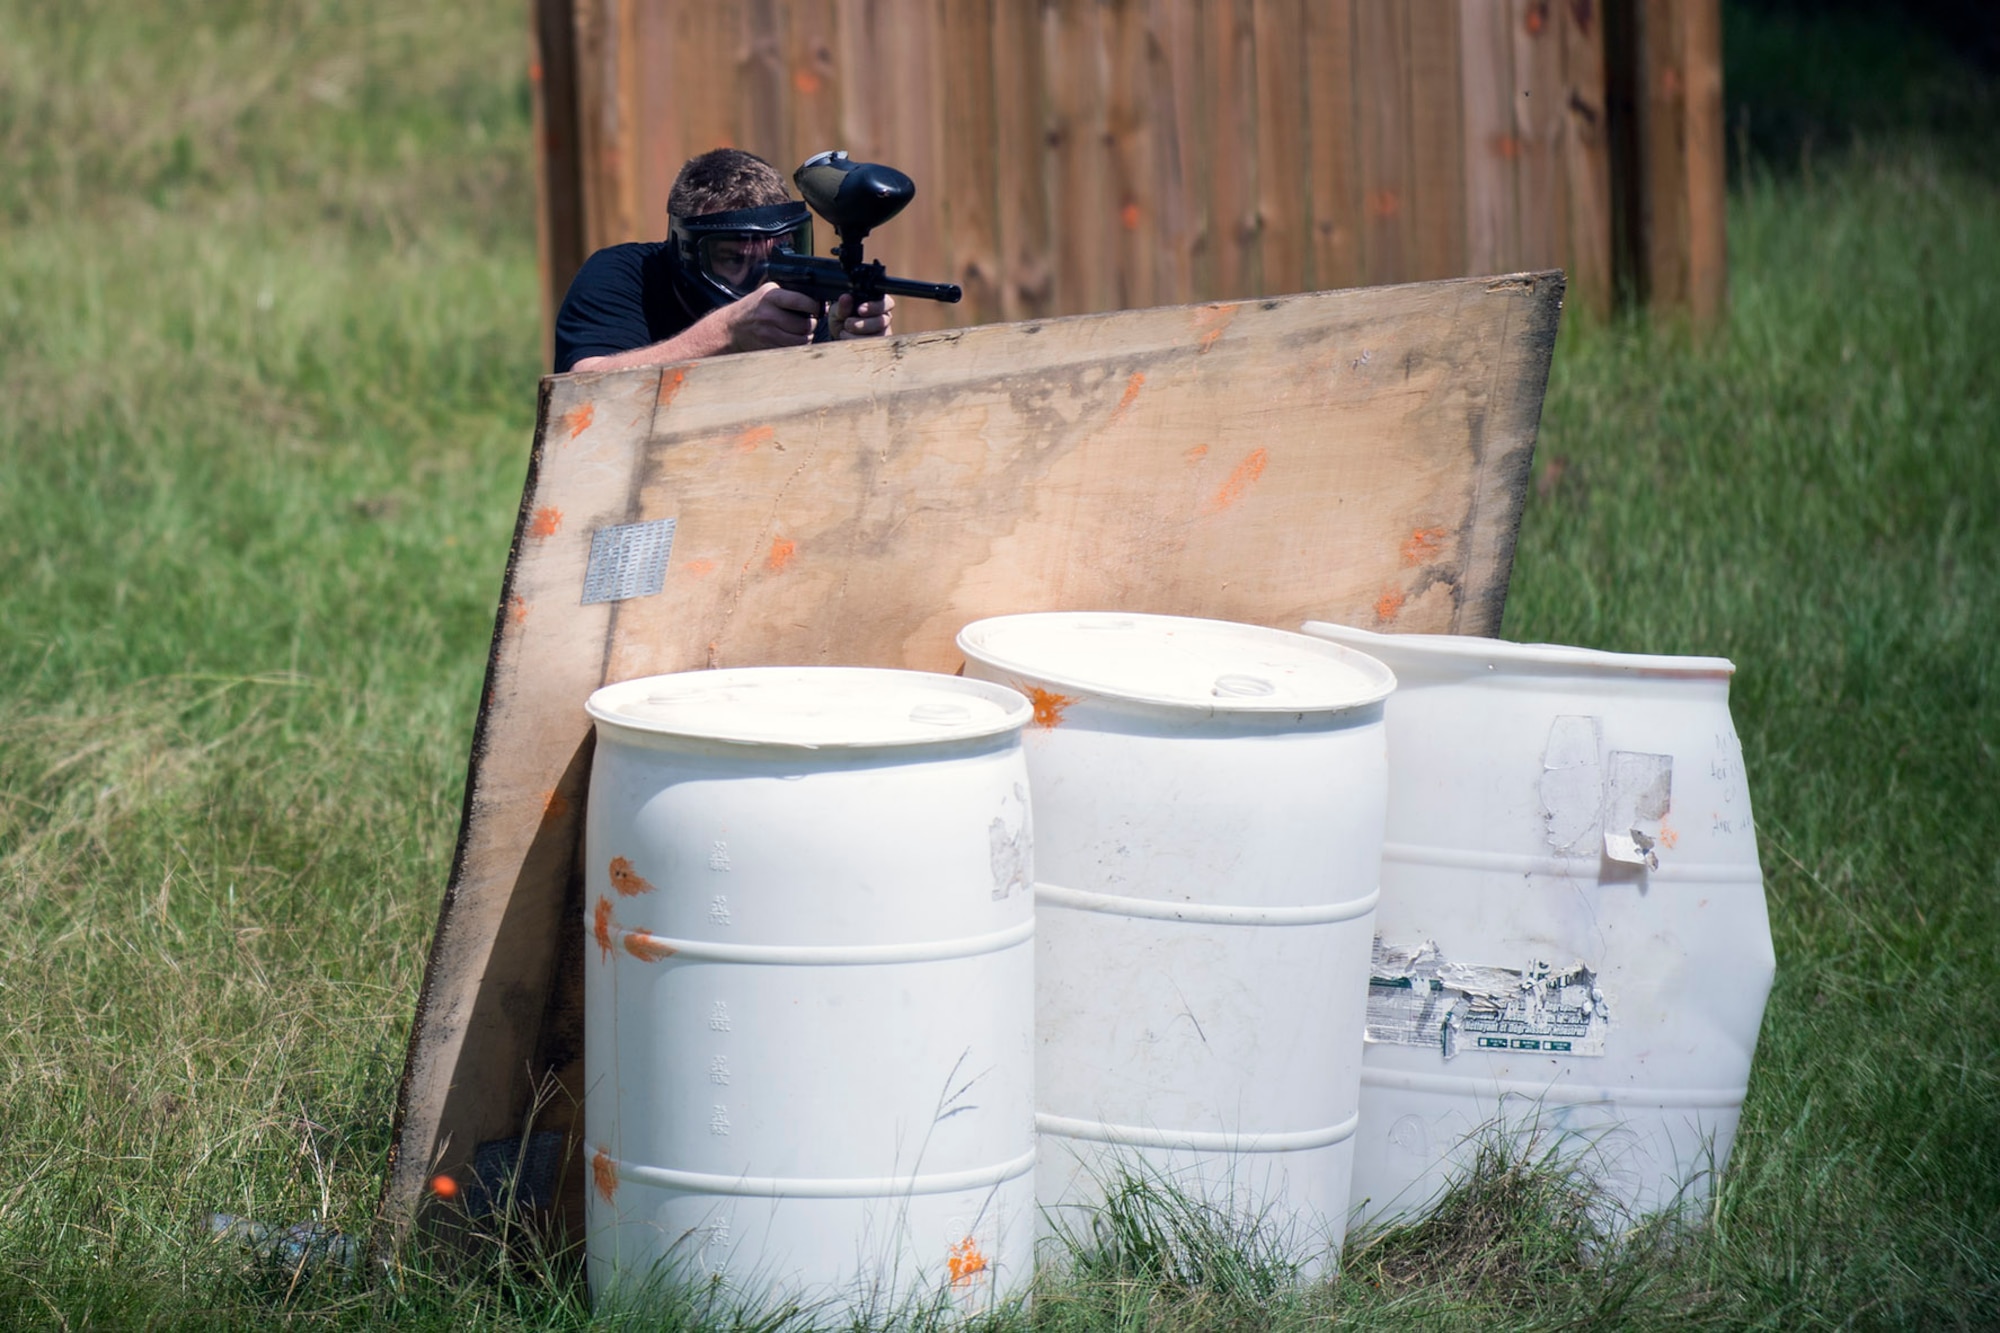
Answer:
(1134, 185)
(1073, 53)
(971, 168)
(1382, 53)
(1027, 272)
(1706, 182)
(763, 85)
(815, 75)
(1282, 170)
(1587, 156)
(1333, 174)
(1538, 125)
(906, 66)
(1437, 151)
(1663, 152)
(857, 54)
(1492, 150)
(1179, 120)
(559, 237)
(1230, 76)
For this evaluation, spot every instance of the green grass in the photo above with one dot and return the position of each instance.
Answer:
(268, 340)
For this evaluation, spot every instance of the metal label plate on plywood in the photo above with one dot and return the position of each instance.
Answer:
(1357, 456)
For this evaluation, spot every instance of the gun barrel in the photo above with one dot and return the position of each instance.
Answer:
(948, 292)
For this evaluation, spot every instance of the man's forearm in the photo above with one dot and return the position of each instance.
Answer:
(708, 336)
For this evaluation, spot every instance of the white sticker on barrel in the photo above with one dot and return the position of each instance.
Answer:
(1572, 785)
(1416, 997)
(1637, 795)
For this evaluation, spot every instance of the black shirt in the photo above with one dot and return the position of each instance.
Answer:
(623, 297)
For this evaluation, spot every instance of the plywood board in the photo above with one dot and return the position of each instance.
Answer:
(1357, 456)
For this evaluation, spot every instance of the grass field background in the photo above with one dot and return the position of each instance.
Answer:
(268, 347)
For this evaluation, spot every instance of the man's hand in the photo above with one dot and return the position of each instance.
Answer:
(770, 317)
(870, 319)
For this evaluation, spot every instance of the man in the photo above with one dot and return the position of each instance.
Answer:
(701, 292)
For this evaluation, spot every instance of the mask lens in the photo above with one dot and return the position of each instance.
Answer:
(737, 260)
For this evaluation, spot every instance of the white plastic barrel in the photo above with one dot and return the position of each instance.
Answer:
(1208, 804)
(1573, 944)
(809, 988)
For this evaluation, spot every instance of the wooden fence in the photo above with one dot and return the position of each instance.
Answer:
(1087, 155)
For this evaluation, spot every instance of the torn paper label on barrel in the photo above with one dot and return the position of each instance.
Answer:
(1417, 997)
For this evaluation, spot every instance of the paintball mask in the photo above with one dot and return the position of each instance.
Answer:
(722, 256)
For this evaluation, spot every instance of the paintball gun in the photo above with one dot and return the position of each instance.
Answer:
(856, 197)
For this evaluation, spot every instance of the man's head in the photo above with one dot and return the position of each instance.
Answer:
(726, 213)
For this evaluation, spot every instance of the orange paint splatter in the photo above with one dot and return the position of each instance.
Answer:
(1537, 18)
(965, 1261)
(578, 419)
(1422, 545)
(601, 924)
(1130, 396)
(1669, 836)
(804, 81)
(1239, 481)
(699, 567)
(748, 441)
(517, 608)
(670, 387)
(444, 1187)
(782, 551)
(555, 805)
(1507, 147)
(647, 947)
(1049, 706)
(1388, 604)
(1213, 321)
(548, 521)
(604, 1174)
(626, 880)
(1128, 216)
(1196, 454)
(1383, 203)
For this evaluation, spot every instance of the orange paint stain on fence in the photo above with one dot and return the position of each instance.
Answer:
(1383, 203)
(1389, 604)
(603, 1174)
(577, 420)
(1196, 453)
(1239, 481)
(647, 947)
(600, 927)
(1049, 706)
(547, 522)
(748, 441)
(782, 551)
(670, 386)
(699, 568)
(1423, 544)
(628, 882)
(1213, 321)
(1131, 395)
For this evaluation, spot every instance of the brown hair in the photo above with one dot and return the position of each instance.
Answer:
(722, 179)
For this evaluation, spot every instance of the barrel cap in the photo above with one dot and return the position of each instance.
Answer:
(1215, 666)
(811, 707)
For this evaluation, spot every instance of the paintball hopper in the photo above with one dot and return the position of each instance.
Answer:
(856, 197)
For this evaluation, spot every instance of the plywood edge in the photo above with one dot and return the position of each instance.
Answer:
(1505, 449)
(481, 889)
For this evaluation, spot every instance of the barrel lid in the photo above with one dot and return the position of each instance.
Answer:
(811, 707)
(1471, 650)
(1178, 662)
